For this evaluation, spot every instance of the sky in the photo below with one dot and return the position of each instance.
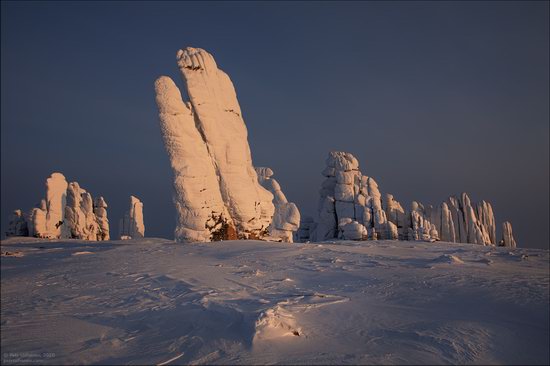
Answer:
(433, 98)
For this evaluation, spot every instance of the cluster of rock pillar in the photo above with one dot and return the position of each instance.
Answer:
(351, 207)
(68, 211)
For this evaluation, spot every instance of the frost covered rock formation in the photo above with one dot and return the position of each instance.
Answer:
(66, 212)
(350, 203)
(507, 236)
(80, 220)
(100, 211)
(216, 189)
(17, 225)
(351, 207)
(131, 226)
(286, 219)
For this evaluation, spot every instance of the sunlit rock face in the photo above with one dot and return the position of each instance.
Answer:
(80, 220)
(286, 219)
(507, 236)
(350, 204)
(351, 207)
(56, 193)
(216, 190)
(67, 212)
(132, 226)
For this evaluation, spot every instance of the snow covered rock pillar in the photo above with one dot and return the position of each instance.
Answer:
(217, 194)
(131, 226)
(100, 211)
(286, 219)
(56, 193)
(507, 236)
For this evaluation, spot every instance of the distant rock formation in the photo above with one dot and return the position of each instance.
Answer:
(100, 210)
(351, 207)
(216, 190)
(131, 226)
(17, 225)
(350, 203)
(286, 219)
(507, 236)
(66, 212)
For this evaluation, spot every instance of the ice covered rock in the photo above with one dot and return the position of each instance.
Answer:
(37, 221)
(17, 225)
(81, 221)
(75, 219)
(217, 194)
(67, 212)
(421, 225)
(348, 195)
(447, 229)
(100, 211)
(56, 192)
(131, 226)
(353, 231)
(395, 214)
(507, 236)
(286, 219)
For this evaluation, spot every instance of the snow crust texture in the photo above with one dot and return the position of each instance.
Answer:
(216, 189)
(67, 212)
(351, 207)
(155, 302)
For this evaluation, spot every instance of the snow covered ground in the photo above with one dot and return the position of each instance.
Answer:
(248, 302)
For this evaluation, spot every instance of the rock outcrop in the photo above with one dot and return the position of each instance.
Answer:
(131, 226)
(67, 212)
(507, 236)
(216, 190)
(80, 220)
(350, 203)
(286, 218)
(351, 207)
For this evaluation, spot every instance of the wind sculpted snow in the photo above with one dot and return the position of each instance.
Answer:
(153, 301)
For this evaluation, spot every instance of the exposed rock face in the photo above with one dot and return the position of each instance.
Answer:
(217, 194)
(349, 200)
(286, 219)
(17, 225)
(67, 212)
(507, 236)
(131, 226)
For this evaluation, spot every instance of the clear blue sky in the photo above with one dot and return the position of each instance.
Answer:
(433, 98)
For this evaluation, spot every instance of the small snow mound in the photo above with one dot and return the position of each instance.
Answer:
(448, 259)
(276, 323)
(82, 253)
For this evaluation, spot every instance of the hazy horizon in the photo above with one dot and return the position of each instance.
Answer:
(433, 99)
